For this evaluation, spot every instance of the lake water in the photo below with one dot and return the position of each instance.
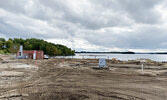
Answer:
(125, 57)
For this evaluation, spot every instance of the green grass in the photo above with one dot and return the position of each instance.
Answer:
(4, 52)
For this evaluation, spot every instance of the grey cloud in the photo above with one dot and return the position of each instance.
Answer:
(138, 10)
(142, 38)
(93, 21)
(93, 18)
(16, 6)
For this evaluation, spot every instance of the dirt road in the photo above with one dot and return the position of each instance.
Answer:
(78, 79)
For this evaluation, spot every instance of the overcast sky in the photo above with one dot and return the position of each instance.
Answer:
(92, 25)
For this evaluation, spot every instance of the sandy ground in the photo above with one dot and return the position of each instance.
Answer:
(80, 79)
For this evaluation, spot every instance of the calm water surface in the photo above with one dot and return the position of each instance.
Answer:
(155, 57)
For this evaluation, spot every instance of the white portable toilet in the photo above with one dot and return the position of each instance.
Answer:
(102, 62)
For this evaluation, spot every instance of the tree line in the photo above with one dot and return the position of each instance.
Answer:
(12, 46)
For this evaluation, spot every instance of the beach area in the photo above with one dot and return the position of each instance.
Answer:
(81, 79)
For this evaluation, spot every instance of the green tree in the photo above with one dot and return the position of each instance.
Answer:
(1, 44)
(2, 39)
(9, 43)
(35, 44)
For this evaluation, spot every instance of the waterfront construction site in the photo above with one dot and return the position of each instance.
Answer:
(81, 79)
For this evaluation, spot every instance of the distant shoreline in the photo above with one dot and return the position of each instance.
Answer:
(124, 52)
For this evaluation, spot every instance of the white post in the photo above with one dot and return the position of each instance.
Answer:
(141, 66)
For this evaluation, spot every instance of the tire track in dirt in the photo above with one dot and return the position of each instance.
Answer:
(25, 91)
(23, 88)
(11, 89)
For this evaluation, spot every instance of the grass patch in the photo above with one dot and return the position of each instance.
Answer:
(4, 52)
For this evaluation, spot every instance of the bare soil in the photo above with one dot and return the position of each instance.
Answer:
(80, 79)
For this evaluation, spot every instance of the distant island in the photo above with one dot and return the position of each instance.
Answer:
(106, 52)
(128, 52)
(12, 46)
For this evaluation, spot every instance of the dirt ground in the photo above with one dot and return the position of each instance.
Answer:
(80, 79)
